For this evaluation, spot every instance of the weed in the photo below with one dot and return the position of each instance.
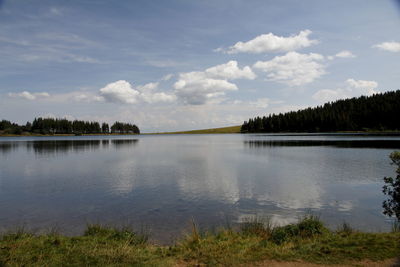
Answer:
(345, 229)
(112, 233)
(396, 226)
(261, 227)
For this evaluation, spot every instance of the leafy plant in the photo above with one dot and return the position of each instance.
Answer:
(391, 206)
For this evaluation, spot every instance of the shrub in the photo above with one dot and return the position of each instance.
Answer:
(391, 188)
(258, 227)
(308, 227)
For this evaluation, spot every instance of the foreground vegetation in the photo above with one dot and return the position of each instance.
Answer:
(391, 206)
(254, 242)
(373, 113)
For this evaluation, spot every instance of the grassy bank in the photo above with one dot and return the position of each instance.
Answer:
(223, 130)
(254, 243)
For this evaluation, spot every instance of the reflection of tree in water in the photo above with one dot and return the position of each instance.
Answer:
(332, 143)
(391, 206)
(62, 146)
(65, 146)
(7, 147)
(119, 143)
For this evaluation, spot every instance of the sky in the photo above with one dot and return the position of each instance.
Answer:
(180, 65)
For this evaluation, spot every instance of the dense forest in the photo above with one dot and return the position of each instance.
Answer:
(64, 126)
(379, 112)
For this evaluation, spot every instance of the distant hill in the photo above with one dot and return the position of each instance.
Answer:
(223, 130)
(380, 112)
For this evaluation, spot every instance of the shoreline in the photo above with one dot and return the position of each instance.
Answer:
(57, 135)
(225, 130)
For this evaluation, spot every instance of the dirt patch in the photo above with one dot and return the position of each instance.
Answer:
(367, 263)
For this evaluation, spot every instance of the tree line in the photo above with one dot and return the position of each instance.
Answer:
(64, 126)
(378, 112)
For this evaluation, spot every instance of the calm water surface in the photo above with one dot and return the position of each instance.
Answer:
(161, 182)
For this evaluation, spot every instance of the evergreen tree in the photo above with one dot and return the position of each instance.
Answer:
(64, 126)
(379, 112)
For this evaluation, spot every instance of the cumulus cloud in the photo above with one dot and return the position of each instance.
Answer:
(148, 87)
(326, 95)
(272, 43)
(200, 87)
(345, 54)
(230, 70)
(361, 84)
(195, 88)
(388, 46)
(158, 97)
(342, 54)
(352, 88)
(123, 92)
(29, 96)
(148, 95)
(293, 68)
(120, 92)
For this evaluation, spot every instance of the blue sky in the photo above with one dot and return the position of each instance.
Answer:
(177, 65)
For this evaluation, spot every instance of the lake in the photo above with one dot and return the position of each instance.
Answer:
(161, 182)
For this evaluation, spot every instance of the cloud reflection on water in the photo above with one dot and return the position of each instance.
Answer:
(166, 180)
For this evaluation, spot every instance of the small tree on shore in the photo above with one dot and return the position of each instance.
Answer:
(391, 206)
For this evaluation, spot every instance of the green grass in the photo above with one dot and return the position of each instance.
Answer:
(255, 241)
(223, 130)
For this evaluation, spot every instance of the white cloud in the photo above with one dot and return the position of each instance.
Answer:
(200, 87)
(342, 54)
(42, 94)
(167, 77)
(361, 84)
(293, 68)
(388, 46)
(68, 97)
(24, 94)
(80, 97)
(195, 88)
(345, 54)
(123, 92)
(352, 88)
(158, 97)
(29, 96)
(326, 95)
(271, 43)
(120, 92)
(148, 87)
(148, 95)
(231, 71)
